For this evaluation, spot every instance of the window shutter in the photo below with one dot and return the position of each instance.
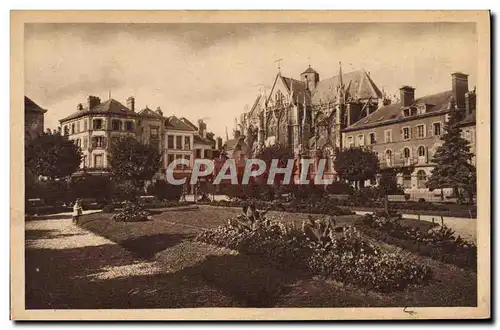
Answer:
(426, 154)
(431, 127)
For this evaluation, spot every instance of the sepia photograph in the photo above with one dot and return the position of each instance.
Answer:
(250, 165)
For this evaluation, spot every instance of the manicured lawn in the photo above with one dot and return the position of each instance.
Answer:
(227, 278)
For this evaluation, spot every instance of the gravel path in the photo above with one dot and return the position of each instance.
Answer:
(69, 267)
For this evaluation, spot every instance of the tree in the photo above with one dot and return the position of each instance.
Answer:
(92, 186)
(356, 165)
(52, 155)
(276, 151)
(453, 160)
(134, 161)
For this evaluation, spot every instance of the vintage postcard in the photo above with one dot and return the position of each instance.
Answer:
(250, 165)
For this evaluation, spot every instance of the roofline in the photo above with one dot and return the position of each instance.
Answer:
(100, 113)
(393, 121)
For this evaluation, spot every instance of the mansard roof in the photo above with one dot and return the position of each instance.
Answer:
(201, 140)
(392, 112)
(147, 112)
(175, 123)
(111, 106)
(358, 84)
(188, 122)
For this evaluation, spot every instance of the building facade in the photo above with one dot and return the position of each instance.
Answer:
(406, 134)
(95, 126)
(33, 119)
(308, 115)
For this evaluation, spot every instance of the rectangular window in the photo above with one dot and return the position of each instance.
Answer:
(388, 136)
(187, 142)
(406, 133)
(154, 132)
(116, 125)
(97, 124)
(170, 158)
(170, 141)
(361, 140)
(85, 143)
(349, 141)
(129, 126)
(78, 127)
(420, 131)
(178, 142)
(98, 161)
(436, 129)
(84, 161)
(198, 153)
(85, 124)
(372, 138)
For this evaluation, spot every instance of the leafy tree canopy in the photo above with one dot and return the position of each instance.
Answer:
(52, 155)
(356, 164)
(132, 160)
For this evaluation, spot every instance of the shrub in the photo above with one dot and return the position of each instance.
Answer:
(108, 208)
(339, 188)
(125, 191)
(163, 190)
(131, 213)
(99, 188)
(439, 242)
(341, 254)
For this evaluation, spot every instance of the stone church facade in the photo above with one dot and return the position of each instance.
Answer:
(308, 114)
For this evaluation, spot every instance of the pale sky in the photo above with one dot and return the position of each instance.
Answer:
(212, 71)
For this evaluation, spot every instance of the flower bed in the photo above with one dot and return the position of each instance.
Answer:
(337, 252)
(438, 242)
(131, 213)
(321, 206)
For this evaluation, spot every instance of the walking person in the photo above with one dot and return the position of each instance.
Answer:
(77, 210)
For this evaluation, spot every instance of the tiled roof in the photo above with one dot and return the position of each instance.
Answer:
(392, 112)
(31, 106)
(186, 121)
(309, 70)
(232, 143)
(111, 106)
(299, 89)
(147, 112)
(358, 83)
(201, 140)
(173, 122)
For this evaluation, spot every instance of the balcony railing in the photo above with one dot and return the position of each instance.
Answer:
(401, 162)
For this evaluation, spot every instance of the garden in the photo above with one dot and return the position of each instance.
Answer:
(379, 256)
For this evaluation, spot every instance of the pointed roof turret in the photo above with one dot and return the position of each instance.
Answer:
(309, 70)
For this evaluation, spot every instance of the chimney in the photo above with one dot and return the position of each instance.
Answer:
(93, 101)
(407, 96)
(459, 86)
(131, 103)
(202, 128)
(158, 111)
(79, 107)
(218, 143)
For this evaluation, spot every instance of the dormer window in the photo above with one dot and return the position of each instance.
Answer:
(406, 112)
(421, 109)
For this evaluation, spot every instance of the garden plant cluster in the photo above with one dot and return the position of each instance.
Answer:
(339, 253)
(438, 242)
